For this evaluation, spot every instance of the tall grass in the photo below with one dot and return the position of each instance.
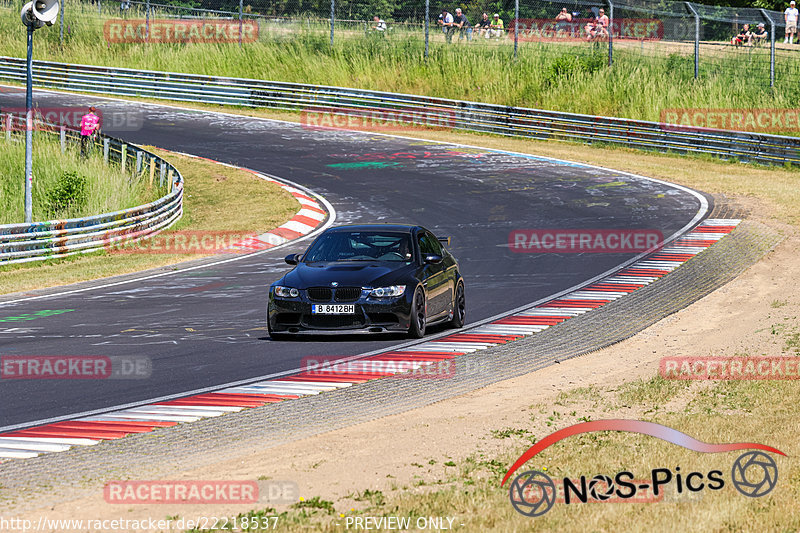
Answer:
(107, 189)
(566, 77)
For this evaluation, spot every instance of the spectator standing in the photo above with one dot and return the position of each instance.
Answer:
(484, 26)
(90, 125)
(446, 20)
(460, 21)
(790, 17)
(497, 26)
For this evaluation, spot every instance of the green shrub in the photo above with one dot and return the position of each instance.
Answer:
(67, 195)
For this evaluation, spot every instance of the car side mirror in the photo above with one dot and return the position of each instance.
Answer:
(292, 259)
(433, 259)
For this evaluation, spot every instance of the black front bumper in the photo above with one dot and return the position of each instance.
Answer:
(372, 315)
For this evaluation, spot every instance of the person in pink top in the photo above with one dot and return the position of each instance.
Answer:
(598, 29)
(90, 124)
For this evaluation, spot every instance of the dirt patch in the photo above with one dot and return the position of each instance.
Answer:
(408, 453)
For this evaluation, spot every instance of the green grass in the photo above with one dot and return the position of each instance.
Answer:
(569, 77)
(218, 198)
(106, 188)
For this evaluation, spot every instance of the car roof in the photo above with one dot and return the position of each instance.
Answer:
(399, 228)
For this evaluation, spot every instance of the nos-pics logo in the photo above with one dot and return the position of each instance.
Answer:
(533, 493)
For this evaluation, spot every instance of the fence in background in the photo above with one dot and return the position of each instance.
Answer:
(438, 112)
(690, 37)
(58, 238)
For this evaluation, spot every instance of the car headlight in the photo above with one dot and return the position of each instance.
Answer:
(286, 292)
(388, 292)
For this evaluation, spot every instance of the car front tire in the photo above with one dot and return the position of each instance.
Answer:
(416, 328)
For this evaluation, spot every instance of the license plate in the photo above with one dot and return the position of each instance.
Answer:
(333, 309)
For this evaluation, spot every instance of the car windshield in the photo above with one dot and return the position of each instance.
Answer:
(360, 246)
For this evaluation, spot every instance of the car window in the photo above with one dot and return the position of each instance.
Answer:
(360, 246)
(436, 245)
(427, 245)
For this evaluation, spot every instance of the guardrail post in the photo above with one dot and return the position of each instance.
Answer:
(161, 174)
(152, 170)
(696, 39)
(427, 23)
(9, 125)
(171, 182)
(105, 150)
(241, 7)
(123, 156)
(63, 137)
(138, 161)
(771, 47)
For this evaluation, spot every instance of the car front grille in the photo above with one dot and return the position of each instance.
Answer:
(333, 321)
(320, 294)
(382, 318)
(348, 294)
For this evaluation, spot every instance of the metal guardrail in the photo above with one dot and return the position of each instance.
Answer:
(58, 238)
(460, 115)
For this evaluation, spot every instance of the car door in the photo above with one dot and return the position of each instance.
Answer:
(434, 275)
(449, 268)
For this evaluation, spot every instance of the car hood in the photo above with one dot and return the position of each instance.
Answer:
(348, 274)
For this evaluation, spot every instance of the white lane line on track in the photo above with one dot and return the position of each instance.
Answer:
(701, 212)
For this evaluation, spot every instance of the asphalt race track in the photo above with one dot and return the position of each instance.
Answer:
(207, 326)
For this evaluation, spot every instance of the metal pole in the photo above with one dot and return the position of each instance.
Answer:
(771, 47)
(29, 131)
(333, 12)
(427, 20)
(147, 22)
(516, 26)
(772, 55)
(241, 6)
(610, 33)
(61, 24)
(99, 8)
(696, 40)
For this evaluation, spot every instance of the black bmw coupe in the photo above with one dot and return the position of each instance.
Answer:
(373, 278)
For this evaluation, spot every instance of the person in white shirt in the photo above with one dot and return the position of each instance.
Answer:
(446, 20)
(380, 25)
(790, 16)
